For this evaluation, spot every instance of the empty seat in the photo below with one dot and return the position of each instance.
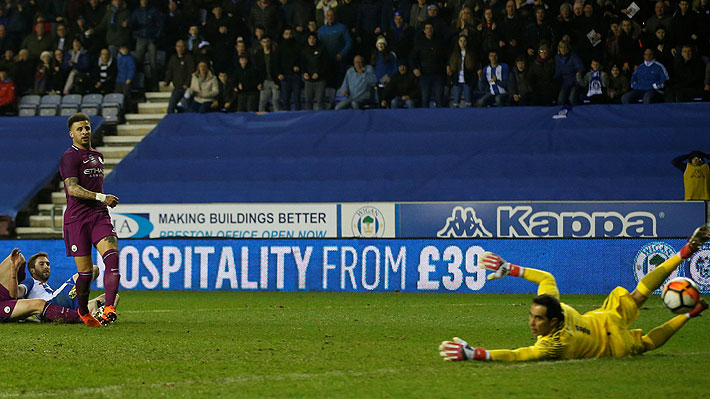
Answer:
(91, 103)
(29, 104)
(49, 105)
(70, 104)
(112, 107)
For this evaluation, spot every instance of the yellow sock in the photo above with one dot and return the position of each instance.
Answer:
(652, 281)
(659, 335)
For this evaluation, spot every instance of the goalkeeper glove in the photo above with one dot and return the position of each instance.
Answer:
(699, 308)
(458, 349)
(500, 267)
(700, 236)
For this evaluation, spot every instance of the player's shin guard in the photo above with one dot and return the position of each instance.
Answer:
(83, 287)
(111, 276)
(661, 334)
(59, 313)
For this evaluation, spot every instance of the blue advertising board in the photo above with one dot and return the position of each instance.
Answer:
(550, 219)
(581, 266)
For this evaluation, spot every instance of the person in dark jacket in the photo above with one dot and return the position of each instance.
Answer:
(266, 61)
(688, 77)
(568, 68)
(402, 89)
(115, 26)
(462, 70)
(314, 61)
(246, 85)
(290, 77)
(541, 74)
(178, 72)
(76, 63)
(225, 100)
(519, 85)
(428, 64)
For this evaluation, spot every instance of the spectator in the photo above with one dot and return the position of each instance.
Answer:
(226, 95)
(240, 48)
(147, 26)
(564, 23)
(596, 82)
(685, 25)
(538, 31)
(585, 24)
(314, 71)
(662, 46)
(696, 175)
(80, 31)
(402, 90)
(520, 86)
(94, 13)
(5, 42)
(495, 79)
(247, 86)
(203, 89)
(491, 37)
(266, 61)
(688, 77)
(462, 70)
(400, 37)
(466, 25)
(61, 39)
(76, 64)
(125, 70)
(440, 27)
(43, 74)
(264, 13)
(179, 72)
(302, 11)
(512, 27)
(290, 76)
(418, 15)
(322, 8)
(383, 61)
(176, 23)
(628, 48)
(428, 64)
(648, 81)
(220, 34)
(542, 72)
(346, 13)
(358, 85)
(37, 42)
(568, 69)
(391, 7)
(59, 75)
(7, 93)
(24, 72)
(658, 19)
(115, 27)
(336, 41)
(194, 38)
(104, 73)
(618, 85)
(369, 18)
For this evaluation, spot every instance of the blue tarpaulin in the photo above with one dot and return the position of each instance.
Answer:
(594, 153)
(32, 148)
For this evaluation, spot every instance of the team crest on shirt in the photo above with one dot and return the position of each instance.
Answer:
(700, 269)
(6, 309)
(73, 248)
(650, 256)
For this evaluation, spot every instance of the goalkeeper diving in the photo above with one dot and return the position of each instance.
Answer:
(564, 333)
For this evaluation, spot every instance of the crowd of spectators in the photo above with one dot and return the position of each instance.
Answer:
(249, 55)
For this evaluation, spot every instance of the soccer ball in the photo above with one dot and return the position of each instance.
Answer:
(680, 295)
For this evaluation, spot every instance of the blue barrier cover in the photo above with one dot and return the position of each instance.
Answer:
(32, 147)
(553, 219)
(514, 153)
(581, 266)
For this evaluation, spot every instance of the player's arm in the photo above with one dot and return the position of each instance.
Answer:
(545, 280)
(458, 350)
(71, 184)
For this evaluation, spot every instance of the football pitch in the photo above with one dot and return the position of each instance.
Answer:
(331, 345)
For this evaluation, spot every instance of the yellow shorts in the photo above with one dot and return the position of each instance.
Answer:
(620, 303)
(620, 311)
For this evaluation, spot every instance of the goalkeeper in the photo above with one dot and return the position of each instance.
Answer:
(563, 333)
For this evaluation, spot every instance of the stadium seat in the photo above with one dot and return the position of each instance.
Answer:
(70, 104)
(49, 105)
(91, 103)
(29, 104)
(111, 108)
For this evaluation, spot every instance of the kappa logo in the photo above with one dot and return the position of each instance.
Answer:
(463, 222)
(700, 268)
(650, 256)
(368, 222)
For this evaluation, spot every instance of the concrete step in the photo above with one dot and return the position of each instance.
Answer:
(46, 221)
(140, 119)
(163, 88)
(46, 209)
(109, 164)
(115, 152)
(158, 96)
(135, 130)
(58, 198)
(37, 232)
(152, 108)
(122, 141)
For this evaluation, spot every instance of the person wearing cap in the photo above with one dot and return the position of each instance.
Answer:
(696, 175)
(402, 90)
(358, 85)
(383, 61)
(400, 36)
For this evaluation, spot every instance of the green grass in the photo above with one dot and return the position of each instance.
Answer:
(331, 345)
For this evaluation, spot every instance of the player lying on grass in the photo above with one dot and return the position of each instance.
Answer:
(563, 333)
(35, 286)
(12, 309)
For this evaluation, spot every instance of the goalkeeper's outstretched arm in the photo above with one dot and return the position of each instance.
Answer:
(546, 281)
(458, 350)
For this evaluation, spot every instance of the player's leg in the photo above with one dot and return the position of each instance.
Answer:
(653, 280)
(661, 334)
(27, 307)
(108, 248)
(84, 265)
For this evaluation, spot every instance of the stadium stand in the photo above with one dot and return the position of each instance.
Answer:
(531, 153)
(49, 105)
(29, 105)
(70, 104)
(91, 104)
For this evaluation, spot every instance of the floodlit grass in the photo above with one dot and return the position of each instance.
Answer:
(331, 345)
